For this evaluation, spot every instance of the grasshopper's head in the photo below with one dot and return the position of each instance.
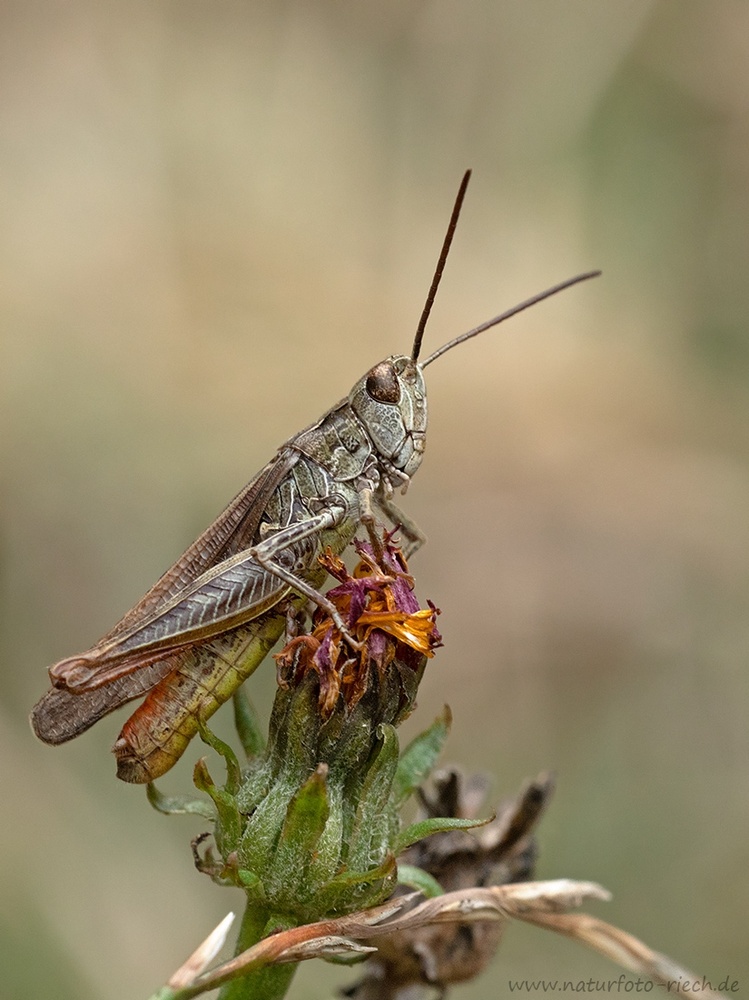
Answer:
(391, 399)
(391, 402)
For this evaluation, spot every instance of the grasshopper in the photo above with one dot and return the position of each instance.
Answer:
(211, 619)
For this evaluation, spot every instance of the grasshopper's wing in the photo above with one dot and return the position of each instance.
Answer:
(232, 531)
(61, 716)
(190, 602)
(229, 594)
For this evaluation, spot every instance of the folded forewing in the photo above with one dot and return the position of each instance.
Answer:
(60, 716)
(232, 531)
(235, 591)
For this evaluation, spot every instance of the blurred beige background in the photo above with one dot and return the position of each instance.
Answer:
(214, 218)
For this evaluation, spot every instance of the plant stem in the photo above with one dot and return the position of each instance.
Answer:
(270, 983)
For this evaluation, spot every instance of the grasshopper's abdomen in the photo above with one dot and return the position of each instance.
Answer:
(157, 734)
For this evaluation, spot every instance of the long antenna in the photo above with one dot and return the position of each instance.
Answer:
(440, 265)
(510, 312)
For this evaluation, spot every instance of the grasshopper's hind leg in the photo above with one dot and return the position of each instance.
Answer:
(269, 552)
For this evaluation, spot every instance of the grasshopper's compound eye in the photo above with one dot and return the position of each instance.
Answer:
(382, 383)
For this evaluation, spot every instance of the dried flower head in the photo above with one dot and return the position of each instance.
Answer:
(383, 616)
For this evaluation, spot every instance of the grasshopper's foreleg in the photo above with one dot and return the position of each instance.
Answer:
(269, 552)
(414, 535)
(368, 519)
